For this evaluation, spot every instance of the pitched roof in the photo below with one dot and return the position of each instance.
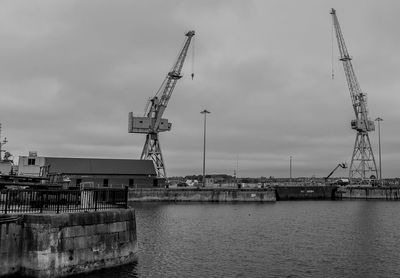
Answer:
(69, 165)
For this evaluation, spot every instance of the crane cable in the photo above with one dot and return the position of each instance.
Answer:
(193, 58)
(333, 70)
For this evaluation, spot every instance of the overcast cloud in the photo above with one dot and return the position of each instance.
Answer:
(72, 70)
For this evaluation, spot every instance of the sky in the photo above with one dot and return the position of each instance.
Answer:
(71, 71)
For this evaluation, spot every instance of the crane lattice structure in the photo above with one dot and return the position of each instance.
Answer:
(362, 164)
(153, 123)
(6, 154)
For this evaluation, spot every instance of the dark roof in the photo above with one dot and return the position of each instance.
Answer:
(69, 165)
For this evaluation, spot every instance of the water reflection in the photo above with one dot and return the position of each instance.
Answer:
(125, 271)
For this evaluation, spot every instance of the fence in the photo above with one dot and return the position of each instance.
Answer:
(57, 200)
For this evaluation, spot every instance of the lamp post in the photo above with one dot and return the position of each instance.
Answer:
(379, 120)
(205, 112)
(290, 168)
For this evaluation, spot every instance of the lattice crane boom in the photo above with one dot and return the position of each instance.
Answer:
(363, 161)
(153, 123)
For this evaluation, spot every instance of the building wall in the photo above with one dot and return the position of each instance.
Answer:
(24, 167)
(5, 167)
(114, 181)
(209, 181)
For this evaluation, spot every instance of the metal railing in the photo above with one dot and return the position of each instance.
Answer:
(58, 200)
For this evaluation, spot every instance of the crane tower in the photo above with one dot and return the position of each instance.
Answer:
(152, 122)
(362, 164)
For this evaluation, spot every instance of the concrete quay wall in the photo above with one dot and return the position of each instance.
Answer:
(305, 192)
(10, 248)
(202, 194)
(366, 193)
(55, 245)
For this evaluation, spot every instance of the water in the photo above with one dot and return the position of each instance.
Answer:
(282, 239)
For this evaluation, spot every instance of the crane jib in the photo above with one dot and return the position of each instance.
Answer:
(154, 123)
(362, 164)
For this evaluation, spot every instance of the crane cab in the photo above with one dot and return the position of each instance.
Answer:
(361, 125)
(145, 124)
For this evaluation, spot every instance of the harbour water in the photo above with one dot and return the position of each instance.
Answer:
(282, 239)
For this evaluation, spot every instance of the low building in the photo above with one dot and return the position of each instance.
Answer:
(91, 171)
(30, 165)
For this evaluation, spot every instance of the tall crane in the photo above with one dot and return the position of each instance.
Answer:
(362, 164)
(152, 122)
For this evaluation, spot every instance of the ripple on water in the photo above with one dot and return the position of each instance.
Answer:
(282, 239)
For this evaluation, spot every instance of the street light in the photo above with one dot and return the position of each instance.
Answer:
(379, 120)
(205, 112)
(290, 168)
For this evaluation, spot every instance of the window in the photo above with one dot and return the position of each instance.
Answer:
(130, 182)
(31, 161)
(78, 182)
(105, 182)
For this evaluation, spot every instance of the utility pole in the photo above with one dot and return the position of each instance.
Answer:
(205, 112)
(379, 120)
(290, 168)
(237, 170)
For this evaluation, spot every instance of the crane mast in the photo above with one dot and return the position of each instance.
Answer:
(153, 123)
(362, 164)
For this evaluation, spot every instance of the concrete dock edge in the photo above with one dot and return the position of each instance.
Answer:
(55, 245)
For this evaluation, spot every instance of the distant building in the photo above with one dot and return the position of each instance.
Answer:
(209, 181)
(30, 165)
(91, 171)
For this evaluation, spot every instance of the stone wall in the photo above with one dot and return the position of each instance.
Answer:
(202, 195)
(10, 248)
(51, 245)
(363, 192)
